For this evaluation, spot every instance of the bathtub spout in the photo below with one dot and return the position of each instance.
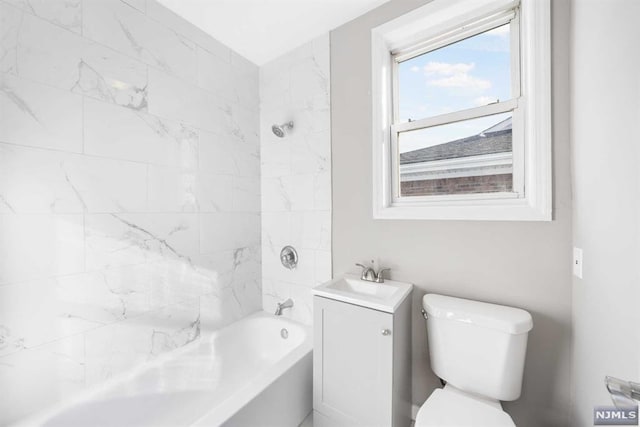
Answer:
(282, 305)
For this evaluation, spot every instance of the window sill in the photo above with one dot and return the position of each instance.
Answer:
(469, 210)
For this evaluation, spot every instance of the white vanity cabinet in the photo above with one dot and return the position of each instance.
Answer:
(361, 366)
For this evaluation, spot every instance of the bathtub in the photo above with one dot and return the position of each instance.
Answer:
(254, 372)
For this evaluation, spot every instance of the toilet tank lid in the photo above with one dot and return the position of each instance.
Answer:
(506, 319)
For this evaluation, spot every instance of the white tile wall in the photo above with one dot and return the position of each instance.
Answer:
(129, 192)
(132, 186)
(37, 246)
(107, 75)
(137, 136)
(131, 32)
(296, 175)
(66, 14)
(38, 115)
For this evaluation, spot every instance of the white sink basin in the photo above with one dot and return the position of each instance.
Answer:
(349, 288)
(361, 287)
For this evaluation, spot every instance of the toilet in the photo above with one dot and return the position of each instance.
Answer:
(478, 350)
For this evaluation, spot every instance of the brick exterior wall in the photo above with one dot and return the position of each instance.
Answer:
(464, 185)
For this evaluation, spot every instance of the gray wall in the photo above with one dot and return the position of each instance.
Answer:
(521, 264)
(605, 135)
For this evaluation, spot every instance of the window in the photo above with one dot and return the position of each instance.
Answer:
(452, 130)
(461, 112)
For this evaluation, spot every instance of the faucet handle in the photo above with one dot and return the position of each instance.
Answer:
(380, 275)
(364, 270)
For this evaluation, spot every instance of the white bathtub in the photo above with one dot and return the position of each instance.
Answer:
(245, 374)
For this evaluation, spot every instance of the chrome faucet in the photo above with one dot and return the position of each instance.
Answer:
(369, 274)
(282, 305)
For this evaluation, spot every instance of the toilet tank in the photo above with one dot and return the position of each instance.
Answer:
(476, 346)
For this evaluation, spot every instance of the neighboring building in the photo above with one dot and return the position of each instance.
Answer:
(477, 164)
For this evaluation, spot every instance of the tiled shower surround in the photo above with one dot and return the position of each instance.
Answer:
(296, 175)
(129, 192)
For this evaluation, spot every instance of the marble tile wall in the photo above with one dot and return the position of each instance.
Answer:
(129, 192)
(296, 175)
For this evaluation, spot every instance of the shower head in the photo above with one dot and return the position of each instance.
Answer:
(280, 130)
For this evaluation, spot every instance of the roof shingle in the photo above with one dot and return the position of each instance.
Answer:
(496, 139)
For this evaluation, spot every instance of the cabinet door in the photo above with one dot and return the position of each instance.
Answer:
(352, 370)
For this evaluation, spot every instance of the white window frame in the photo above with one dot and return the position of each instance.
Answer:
(437, 24)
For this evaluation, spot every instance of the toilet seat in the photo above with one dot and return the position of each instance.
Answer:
(450, 407)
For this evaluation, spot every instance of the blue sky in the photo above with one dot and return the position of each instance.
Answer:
(466, 74)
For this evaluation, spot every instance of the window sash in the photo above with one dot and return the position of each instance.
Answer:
(457, 116)
(466, 30)
(470, 30)
(517, 149)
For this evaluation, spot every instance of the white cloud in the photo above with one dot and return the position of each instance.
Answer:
(462, 81)
(454, 75)
(447, 69)
(415, 68)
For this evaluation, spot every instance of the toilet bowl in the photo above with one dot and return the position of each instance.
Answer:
(450, 407)
(479, 350)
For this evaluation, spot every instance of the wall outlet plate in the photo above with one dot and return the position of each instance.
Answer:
(577, 262)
